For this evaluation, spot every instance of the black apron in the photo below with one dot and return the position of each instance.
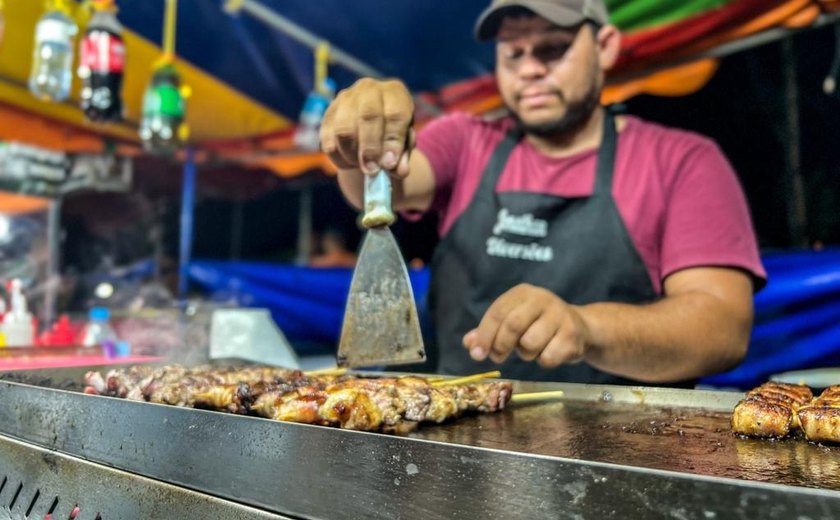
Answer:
(577, 248)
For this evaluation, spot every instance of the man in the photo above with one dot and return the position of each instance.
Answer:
(575, 246)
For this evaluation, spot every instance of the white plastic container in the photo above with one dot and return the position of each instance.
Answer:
(98, 331)
(17, 323)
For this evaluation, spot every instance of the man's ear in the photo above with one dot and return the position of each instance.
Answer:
(609, 46)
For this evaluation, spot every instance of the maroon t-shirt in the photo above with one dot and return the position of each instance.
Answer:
(676, 193)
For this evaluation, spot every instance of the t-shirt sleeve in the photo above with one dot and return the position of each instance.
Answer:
(707, 219)
(442, 142)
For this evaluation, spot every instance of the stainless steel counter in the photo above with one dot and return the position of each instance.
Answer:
(601, 452)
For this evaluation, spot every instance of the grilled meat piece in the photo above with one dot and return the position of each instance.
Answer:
(770, 410)
(797, 395)
(757, 417)
(302, 404)
(820, 419)
(387, 404)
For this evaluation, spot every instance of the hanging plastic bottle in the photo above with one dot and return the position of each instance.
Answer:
(101, 64)
(315, 106)
(162, 128)
(2, 21)
(307, 134)
(52, 60)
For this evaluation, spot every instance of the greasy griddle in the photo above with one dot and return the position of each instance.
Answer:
(689, 440)
(600, 452)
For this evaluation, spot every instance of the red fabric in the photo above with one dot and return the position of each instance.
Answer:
(647, 44)
(676, 192)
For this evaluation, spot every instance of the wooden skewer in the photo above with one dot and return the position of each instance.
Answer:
(326, 372)
(468, 379)
(536, 396)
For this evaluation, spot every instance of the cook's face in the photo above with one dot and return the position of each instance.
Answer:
(543, 70)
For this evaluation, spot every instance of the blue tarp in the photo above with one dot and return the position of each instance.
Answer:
(797, 322)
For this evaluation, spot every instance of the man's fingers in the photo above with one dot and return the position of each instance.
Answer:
(517, 321)
(398, 112)
(537, 337)
(343, 126)
(371, 123)
(485, 333)
(562, 348)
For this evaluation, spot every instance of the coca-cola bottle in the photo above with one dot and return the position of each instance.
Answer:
(101, 64)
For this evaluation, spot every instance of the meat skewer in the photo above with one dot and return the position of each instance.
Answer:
(370, 404)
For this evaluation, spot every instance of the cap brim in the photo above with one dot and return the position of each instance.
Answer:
(488, 23)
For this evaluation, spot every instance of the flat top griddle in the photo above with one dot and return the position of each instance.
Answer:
(600, 452)
(673, 438)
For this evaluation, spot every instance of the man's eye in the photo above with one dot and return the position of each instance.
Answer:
(554, 52)
(512, 54)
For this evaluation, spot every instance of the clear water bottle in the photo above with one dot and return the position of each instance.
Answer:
(52, 61)
(98, 331)
(309, 122)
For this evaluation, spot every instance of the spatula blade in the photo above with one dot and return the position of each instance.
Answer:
(380, 322)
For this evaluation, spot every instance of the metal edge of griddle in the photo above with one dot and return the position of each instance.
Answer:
(314, 472)
(35, 481)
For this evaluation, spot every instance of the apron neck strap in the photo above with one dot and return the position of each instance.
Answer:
(606, 157)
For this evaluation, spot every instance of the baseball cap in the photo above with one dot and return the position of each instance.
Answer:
(563, 13)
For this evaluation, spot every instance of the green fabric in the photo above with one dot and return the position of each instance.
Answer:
(633, 15)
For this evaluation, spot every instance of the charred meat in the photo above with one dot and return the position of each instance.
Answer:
(770, 410)
(820, 419)
(370, 404)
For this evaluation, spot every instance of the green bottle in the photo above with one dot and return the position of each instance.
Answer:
(162, 128)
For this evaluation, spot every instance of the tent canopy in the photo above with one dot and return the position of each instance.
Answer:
(249, 80)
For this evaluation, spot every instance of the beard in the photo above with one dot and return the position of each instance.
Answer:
(577, 114)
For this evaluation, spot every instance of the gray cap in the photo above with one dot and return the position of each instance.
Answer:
(563, 13)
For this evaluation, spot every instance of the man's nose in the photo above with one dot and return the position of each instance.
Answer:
(531, 66)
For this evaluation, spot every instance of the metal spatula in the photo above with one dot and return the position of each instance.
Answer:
(380, 322)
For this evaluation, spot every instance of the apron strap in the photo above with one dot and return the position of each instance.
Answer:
(604, 170)
(490, 177)
(606, 156)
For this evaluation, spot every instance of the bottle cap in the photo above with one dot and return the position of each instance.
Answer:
(99, 314)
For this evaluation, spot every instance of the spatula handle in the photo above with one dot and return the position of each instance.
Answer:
(378, 211)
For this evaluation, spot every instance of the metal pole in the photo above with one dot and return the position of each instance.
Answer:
(187, 219)
(311, 40)
(236, 224)
(796, 210)
(304, 226)
(53, 261)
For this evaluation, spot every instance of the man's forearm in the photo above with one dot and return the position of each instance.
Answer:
(680, 337)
